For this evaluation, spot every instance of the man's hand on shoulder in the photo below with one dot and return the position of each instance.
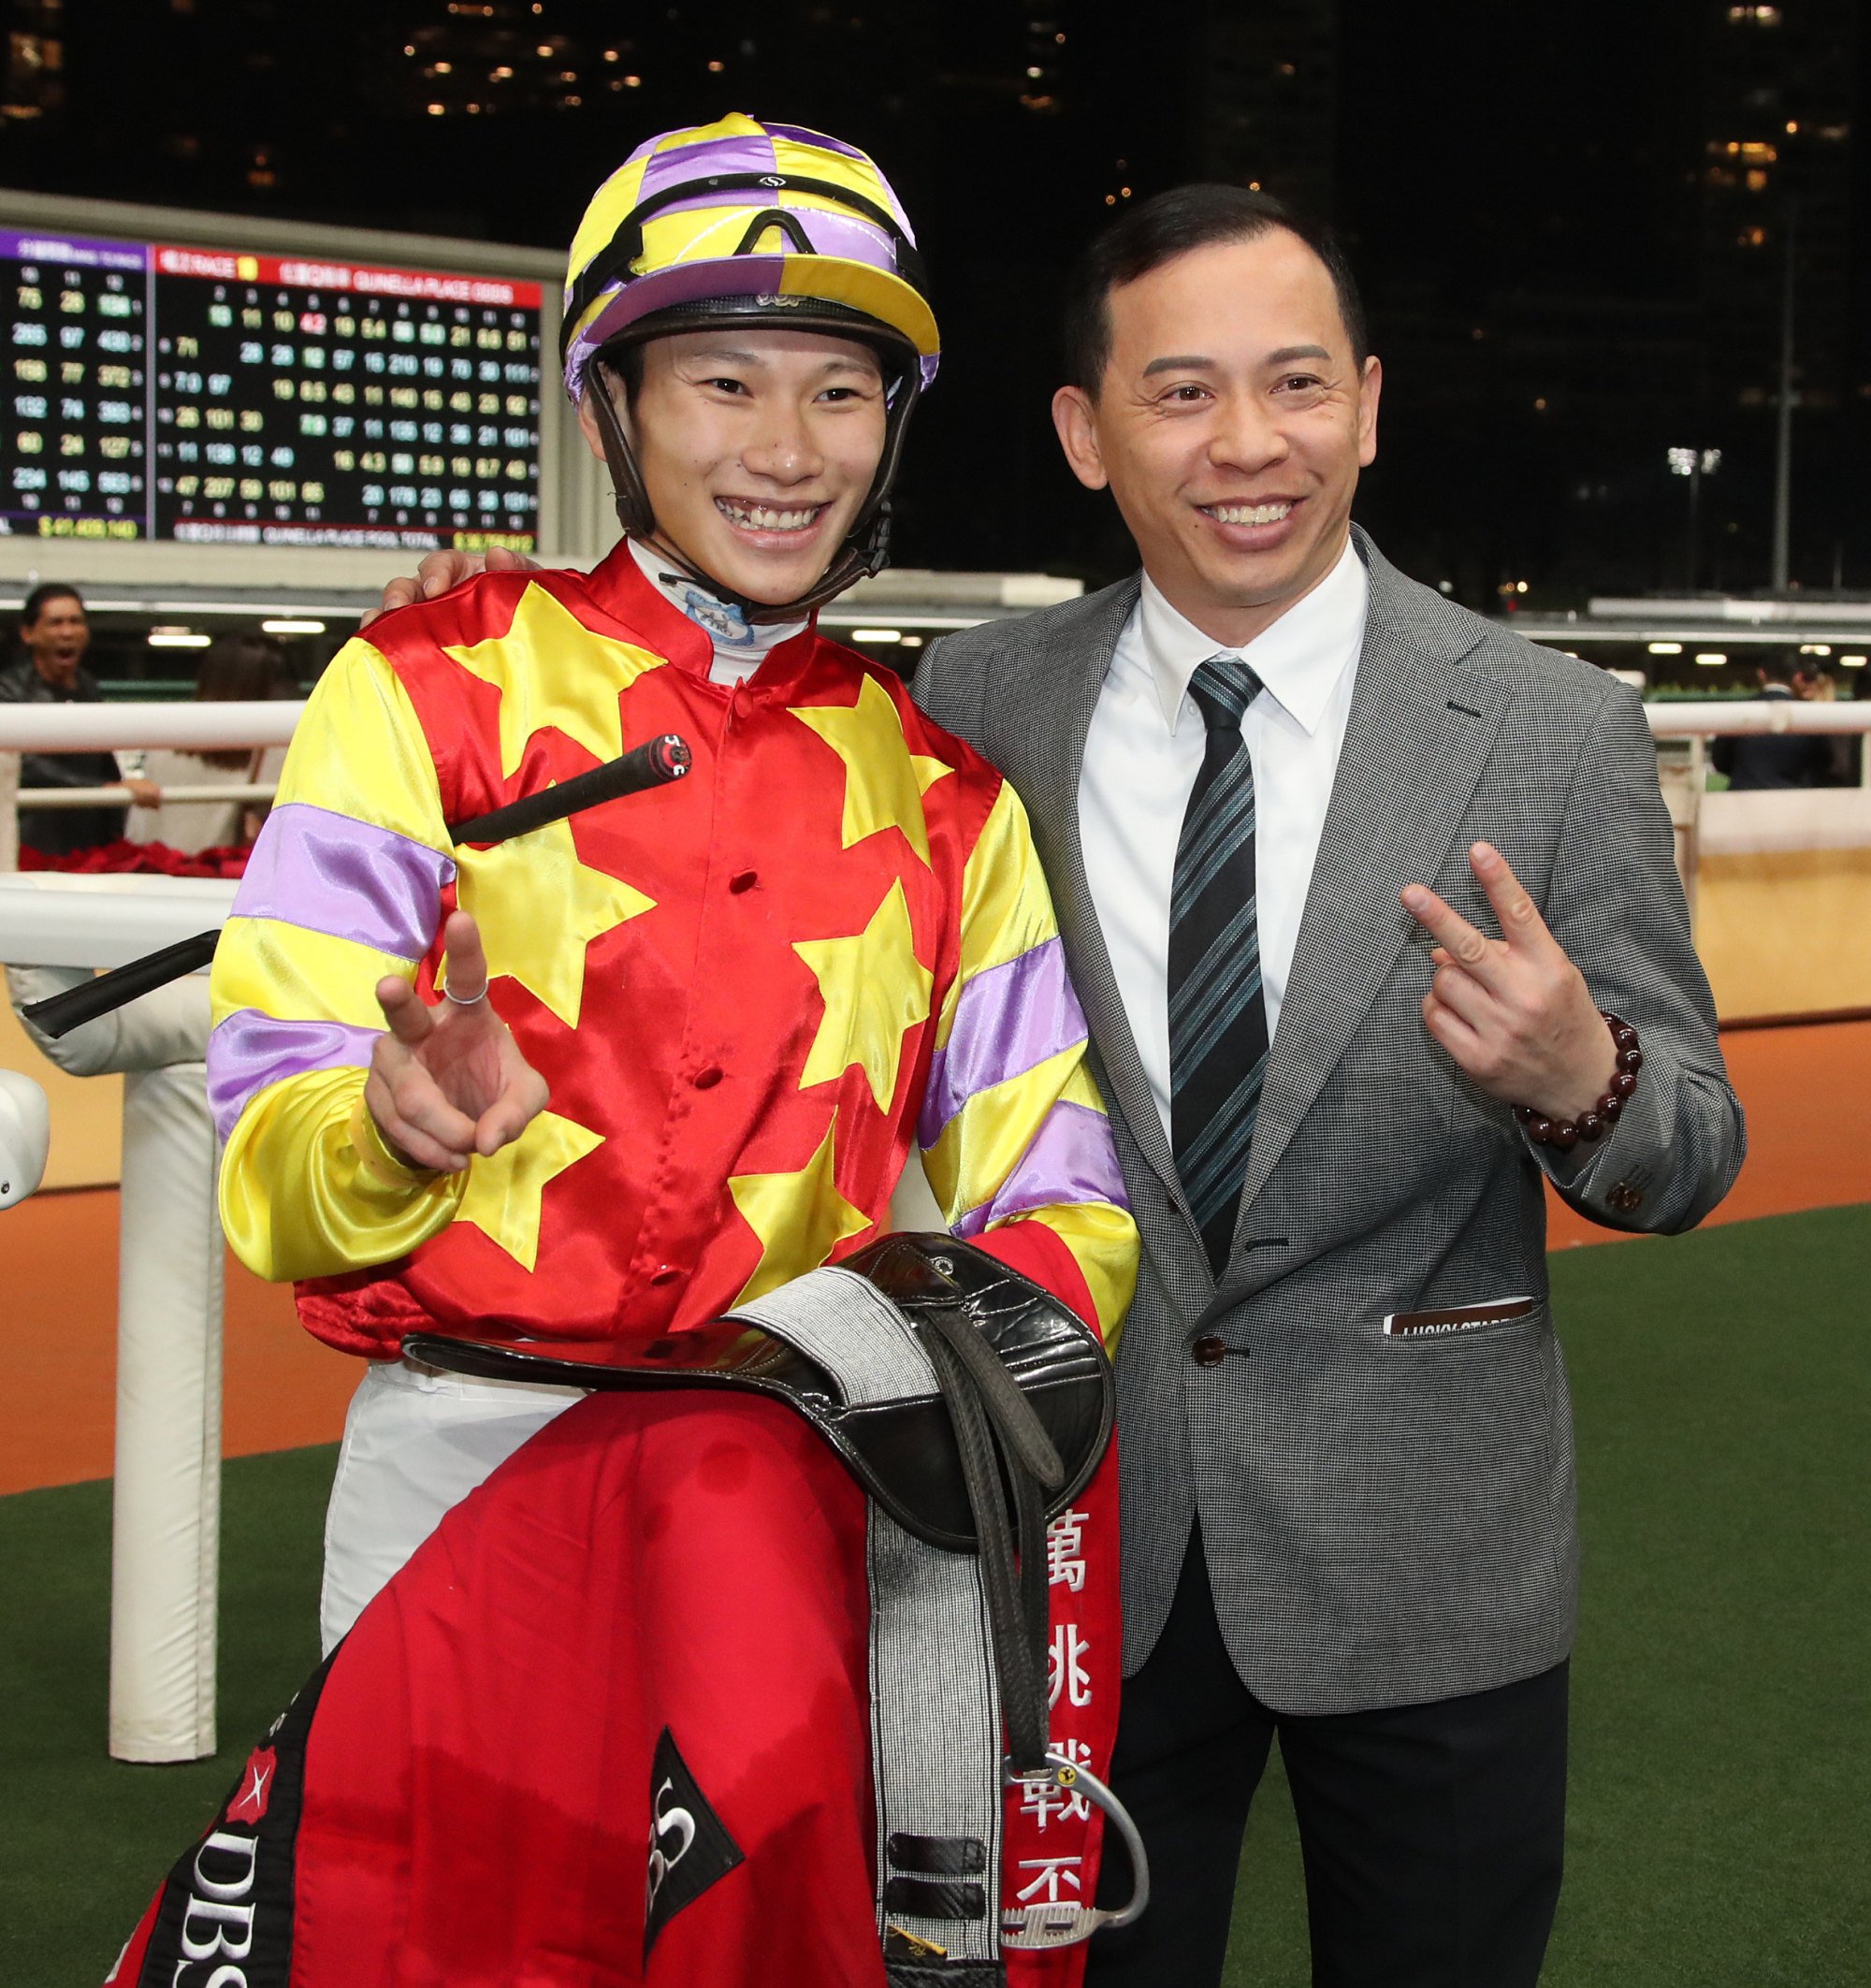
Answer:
(448, 1080)
(1514, 1012)
(442, 571)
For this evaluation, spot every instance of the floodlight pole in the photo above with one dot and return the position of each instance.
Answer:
(1695, 508)
(1783, 452)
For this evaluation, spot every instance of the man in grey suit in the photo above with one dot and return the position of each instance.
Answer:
(1344, 1427)
(1284, 796)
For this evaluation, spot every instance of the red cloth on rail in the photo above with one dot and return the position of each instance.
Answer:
(142, 858)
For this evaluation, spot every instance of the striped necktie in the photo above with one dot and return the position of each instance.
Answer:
(1217, 1019)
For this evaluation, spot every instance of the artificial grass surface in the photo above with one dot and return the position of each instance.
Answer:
(1722, 1720)
(85, 1839)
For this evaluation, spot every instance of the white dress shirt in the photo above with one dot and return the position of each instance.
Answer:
(740, 645)
(1143, 752)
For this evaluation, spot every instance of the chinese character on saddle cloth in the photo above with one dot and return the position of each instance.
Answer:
(1046, 1801)
(1050, 1847)
(1066, 1551)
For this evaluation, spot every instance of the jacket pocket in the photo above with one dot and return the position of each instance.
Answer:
(1459, 1321)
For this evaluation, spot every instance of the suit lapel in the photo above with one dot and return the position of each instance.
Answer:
(1037, 727)
(1417, 736)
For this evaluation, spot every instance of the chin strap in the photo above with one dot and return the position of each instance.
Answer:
(864, 552)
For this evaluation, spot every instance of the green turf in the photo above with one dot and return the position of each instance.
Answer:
(1721, 1767)
(83, 1838)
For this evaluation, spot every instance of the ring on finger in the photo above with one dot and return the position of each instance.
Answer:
(448, 994)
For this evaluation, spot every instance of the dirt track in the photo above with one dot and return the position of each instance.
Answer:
(1807, 1091)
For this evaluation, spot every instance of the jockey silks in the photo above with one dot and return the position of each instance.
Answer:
(748, 990)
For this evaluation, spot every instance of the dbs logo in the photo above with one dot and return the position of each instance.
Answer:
(671, 1836)
(690, 1847)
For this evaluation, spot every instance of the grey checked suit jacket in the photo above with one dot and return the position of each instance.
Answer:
(1387, 1520)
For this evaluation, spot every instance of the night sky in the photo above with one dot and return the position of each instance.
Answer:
(1526, 193)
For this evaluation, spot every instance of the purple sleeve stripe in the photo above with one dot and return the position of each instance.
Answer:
(250, 1050)
(1071, 1159)
(333, 874)
(1008, 1020)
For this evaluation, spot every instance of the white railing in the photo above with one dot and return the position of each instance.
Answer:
(223, 726)
(117, 728)
(1730, 716)
(36, 797)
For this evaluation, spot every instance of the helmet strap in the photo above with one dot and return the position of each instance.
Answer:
(864, 552)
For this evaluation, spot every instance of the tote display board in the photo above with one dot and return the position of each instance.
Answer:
(213, 396)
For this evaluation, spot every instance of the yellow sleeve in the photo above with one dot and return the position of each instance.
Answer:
(343, 887)
(1012, 1127)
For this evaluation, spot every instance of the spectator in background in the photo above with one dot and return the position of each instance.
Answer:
(1813, 685)
(244, 668)
(1768, 759)
(56, 634)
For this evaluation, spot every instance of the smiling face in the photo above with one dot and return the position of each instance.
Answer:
(757, 449)
(1230, 425)
(58, 639)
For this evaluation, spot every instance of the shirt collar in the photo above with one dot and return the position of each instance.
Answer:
(1299, 659)
(621, 587)
(740, 645)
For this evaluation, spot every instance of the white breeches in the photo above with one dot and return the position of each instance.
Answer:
(417, 1442)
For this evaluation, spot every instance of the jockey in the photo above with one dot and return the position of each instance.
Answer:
(603, 1084)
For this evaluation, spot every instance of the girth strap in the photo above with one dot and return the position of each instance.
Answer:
(935, 1709)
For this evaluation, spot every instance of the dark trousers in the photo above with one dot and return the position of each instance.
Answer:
(1431, 1834)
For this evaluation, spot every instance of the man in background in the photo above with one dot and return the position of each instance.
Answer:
(1768, 759)
(56, 632)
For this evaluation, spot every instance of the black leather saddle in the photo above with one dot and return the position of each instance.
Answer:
(905, 1453)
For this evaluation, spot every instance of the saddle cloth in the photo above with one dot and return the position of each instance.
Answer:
(611, 1725)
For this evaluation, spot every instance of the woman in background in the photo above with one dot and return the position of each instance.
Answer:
(236, 668)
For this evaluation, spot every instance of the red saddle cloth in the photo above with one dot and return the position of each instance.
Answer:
(611, 1725)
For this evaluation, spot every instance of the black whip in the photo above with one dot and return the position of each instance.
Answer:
(653, 764)
(59, 1014)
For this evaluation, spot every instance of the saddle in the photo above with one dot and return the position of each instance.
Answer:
(972, 1406)
(902, 1452)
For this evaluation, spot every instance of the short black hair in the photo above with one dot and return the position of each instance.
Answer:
(42, 595)
(245, 667)
(1169, 225)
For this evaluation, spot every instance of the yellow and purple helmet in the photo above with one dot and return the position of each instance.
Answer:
(751, 223)
(764, 216)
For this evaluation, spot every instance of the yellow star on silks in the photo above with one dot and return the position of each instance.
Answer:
(514, 886)
(551, 670)
(800, 1218)
(875, 989)
(868, 737)
(503, 1194)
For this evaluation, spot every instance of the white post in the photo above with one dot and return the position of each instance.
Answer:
(10, 815)
(166, 1516)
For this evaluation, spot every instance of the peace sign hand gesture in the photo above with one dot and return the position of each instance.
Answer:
(448, 1080)
(1514, 1012)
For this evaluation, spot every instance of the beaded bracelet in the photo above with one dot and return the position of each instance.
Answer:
(1565, 1133)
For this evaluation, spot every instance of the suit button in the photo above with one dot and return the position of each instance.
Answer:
(1208, 1351)
(1624, 1198)
(743, 881)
